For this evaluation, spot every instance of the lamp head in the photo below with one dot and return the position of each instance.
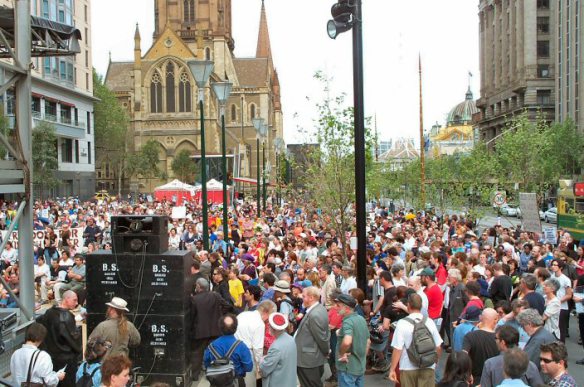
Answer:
(257, 123)
(201, 70)
(222, 91)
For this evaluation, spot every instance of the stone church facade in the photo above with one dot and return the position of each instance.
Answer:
(160, 93)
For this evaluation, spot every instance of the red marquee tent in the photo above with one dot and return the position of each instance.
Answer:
(176, 191)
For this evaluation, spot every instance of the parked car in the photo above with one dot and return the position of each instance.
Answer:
(520, 215)
(551, 215)
(509, 210)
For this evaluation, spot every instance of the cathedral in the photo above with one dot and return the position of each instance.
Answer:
(160, 93)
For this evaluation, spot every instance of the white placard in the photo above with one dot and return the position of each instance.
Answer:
(353, 243)
(529, 212)
(179, 212)
(550, 234)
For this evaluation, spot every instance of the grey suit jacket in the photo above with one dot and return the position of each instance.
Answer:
(312, 338)
(278, 367)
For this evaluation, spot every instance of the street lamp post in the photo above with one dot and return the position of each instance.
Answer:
(264, 170)
(258, 124)
(201, 70)
(347, 15)
(279, 147)
(222, 91)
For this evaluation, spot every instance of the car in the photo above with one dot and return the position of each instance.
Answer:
(551, 215)
(520, 215)
(509, 210)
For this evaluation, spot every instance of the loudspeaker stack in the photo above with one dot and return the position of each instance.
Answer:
(156, 284)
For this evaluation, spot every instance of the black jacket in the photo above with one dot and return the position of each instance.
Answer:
(205, 311)
(63, 339)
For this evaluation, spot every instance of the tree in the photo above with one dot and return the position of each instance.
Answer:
(112, 137)
(330, 175)
(183, 166)
(44, 156)
(145, 162)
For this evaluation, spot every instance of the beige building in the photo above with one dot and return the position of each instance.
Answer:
(160, 94)
(62, 94)
(517, 61)
(569, 61)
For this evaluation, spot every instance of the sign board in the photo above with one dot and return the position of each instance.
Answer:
(499, 198)
(39, 237)
(550, 234)
(579, 189)
(179, 212)
(529, 212)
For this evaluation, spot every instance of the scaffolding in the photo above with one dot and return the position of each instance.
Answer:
(22, 37)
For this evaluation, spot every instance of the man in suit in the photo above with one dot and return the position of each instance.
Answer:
(532, 323)
(205, 310)
(312, 339)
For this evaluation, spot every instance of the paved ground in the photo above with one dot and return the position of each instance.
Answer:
(575, 352)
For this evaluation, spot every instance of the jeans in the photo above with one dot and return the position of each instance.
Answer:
(350, 380)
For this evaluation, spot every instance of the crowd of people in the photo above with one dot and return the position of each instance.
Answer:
(278, 296)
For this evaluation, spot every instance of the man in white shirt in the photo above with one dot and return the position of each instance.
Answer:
(410, 374)
(349, 282)
(251, 330)
(564, 294)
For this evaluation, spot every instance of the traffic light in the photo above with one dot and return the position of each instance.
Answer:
(342, 21)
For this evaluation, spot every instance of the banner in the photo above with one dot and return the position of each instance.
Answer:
(39, 237)
(529, 212)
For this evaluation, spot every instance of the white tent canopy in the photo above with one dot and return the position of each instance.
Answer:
(177, 185)
(215, 185)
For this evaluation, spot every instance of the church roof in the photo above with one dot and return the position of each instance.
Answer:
(402, 148)
(251, 72)
(118, 76)
(462, 112)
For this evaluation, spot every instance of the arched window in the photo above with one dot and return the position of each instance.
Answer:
(233, 113)
(184, 93)
(156, 94)
(170, 97)
(189, 10)
(252, 111)
(207, 53)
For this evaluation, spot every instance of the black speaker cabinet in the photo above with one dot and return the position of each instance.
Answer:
(163, 354)
(139, 234)
(150, 283)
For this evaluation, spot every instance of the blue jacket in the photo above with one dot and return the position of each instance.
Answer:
(241, 357)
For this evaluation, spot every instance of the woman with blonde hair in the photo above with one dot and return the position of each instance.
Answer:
(116, 329)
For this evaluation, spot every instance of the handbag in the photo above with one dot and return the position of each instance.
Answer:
(31, 364)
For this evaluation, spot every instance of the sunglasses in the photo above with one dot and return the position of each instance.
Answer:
(546, 361)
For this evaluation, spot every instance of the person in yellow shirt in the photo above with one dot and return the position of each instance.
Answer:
(236, 287)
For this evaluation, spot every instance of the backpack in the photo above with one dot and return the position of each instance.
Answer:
(86, 380)
(422, 351)
(221, 371)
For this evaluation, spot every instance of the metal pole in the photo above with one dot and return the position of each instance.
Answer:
(264, 175)
(422, 158)
(359, 146)
(258, 181)
(204, 177)
(23, 107)
(225, 228)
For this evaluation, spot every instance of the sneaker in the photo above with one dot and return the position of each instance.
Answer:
(580, 362)
(381, 367)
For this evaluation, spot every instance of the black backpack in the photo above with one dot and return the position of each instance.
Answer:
(86, 380)
(221, 371)
(422, 351)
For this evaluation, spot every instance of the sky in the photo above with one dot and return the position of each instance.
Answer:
(444, 33)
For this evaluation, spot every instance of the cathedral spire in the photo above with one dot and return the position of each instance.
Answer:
(264, 49)
(137, 38)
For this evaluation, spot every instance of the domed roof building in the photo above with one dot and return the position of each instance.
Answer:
(458, 134)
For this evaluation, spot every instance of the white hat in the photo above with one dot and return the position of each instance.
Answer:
(118, 303)
(278, 321)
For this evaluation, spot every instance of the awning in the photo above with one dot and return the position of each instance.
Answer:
(245, 180)
(63, 103)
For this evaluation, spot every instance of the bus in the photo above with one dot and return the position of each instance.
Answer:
(571, 208)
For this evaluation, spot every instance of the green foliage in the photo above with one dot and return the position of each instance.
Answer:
(183, 166)
(44, 156)
(146, 162)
